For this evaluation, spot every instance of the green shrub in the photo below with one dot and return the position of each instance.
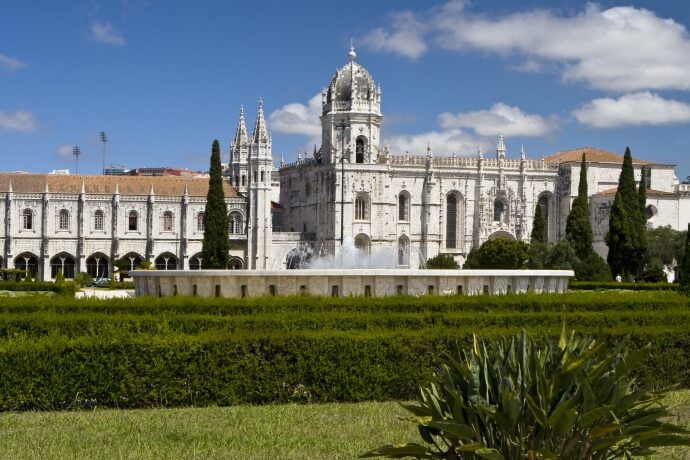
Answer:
(592, 268)
(64, 289)
(59, 278)
(83, 279)
(515, 399)
(607, 285)
(442, 261)
(499, 253)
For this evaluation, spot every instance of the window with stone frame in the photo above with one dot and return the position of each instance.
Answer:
(63, 220)
(167, 221)
(403, 207)
(133, 221)
(361, 207)
(235, 223)
(98, 220)
(27, 219)
(200, 222)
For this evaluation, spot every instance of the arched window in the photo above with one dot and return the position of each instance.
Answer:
(362, 243)
(404, 251)
(63, 220)
(166, 261)
(361, 208)
(195, 262)
(543, 204)
(359, 150)
(167, 221)
(235, 263)
(133, 221)
(27, 219)
(98, 218)
(235, 223)
(62, 262)
(451, 221)
(200, 222)
(403, 207)
(499, 210)
(97, 265)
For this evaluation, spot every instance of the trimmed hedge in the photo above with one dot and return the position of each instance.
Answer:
(150, 371)
(61, 353)
(608, 285)
(67, 289)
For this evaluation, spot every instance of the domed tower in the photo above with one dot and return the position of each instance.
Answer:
(351, 115)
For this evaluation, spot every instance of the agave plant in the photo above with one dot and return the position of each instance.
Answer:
(512, 399)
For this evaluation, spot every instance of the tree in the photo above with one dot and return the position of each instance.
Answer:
(538, 226)
(578, 230)
(499, 253)
(515, 398)
(442, 261)
(619, 239)
(684, 275)
(216, 244)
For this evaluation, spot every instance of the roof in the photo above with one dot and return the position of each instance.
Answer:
(106, 185)
(650, 192)
(594, 155)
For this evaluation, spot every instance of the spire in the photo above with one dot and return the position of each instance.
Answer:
(186, 189)
(151, 192)
(282, 160)
(428, 148)
(9, 189)
(117, 188)
(501, 147)
(241, 132)
(480, 153)
(522, 152)
(260, 133)
(83, 188)
(46, 190)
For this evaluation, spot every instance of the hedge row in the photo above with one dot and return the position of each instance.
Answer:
(72, 325)
(66, 289)
(608, 285)
(575, 301)
(207, 369)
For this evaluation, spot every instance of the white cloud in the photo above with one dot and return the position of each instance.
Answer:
(65, 151)
(406, 39)
(643, 108)
(11, 64)
(620, 49)
(297, 118)
(103, 32)
(442, 143)
(21, 121)
(512, 121)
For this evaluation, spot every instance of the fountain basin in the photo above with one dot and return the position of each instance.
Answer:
(342, 283)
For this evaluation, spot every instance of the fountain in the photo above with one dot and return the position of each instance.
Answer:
(353, 271)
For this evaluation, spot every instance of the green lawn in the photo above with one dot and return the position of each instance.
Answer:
(325, 431)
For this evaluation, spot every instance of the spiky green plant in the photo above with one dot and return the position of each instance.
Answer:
(512, 399)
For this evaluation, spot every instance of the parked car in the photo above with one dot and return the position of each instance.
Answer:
(101, 282)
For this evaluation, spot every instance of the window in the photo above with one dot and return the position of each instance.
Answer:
(235, 223)
(499, 210)
(359, 150)
(244, 180)
(98, 220)
(237, 180)
(361, 211)
(451, 221)
(200, 222)
(403, 212)
(167, 221)
(403, 251)
(262, 177)
(133, 221)
(63, 220)
(27, 219)
(543, 204)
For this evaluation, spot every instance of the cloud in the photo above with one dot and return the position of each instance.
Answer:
(103, 32)
(11, 64)
(64, 151)
(643, 108)
(406, 39)
(501, 117)
(301, 119)
(620, 49)
(442, 143)
(21, 121)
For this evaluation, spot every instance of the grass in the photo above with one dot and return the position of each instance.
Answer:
(315, 431)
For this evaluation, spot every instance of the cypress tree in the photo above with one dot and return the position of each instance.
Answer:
(619, 239)
(216, 244)
(684, 275)
(578, 230)
(538, 227)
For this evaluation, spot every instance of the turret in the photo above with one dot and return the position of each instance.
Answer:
(501, 148)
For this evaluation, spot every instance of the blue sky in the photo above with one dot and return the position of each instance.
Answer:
(165, 78)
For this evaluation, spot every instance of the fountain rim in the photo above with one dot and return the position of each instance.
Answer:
(352, 272)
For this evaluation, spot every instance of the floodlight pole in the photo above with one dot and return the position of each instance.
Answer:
(104, 139)
(76, 151)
